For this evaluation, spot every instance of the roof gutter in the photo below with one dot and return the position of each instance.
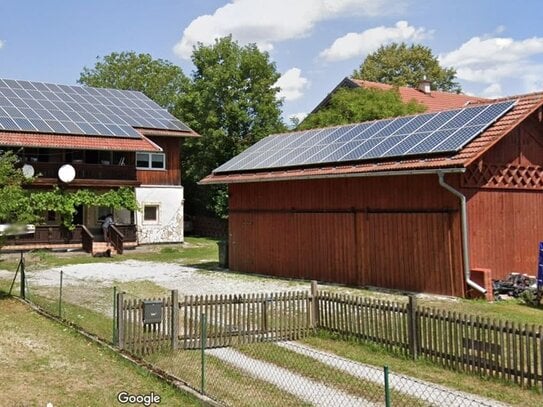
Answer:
(389, 173)
(464, 227)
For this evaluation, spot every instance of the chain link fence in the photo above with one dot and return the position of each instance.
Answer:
(88, 304)
(289, 373)
(255, 372)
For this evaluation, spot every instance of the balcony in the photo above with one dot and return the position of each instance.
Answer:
(87, 174)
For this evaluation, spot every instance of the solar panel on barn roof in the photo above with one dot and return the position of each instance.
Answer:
(48, 108)
(429, 133)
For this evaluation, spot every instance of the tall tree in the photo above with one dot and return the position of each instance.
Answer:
(160, 80)
(14, 202)
(359, 105)
(403, 65)
(232, 102)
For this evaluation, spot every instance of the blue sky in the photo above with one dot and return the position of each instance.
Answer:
(496, 45)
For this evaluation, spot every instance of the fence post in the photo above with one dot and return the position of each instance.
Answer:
(314, 305)
(114, 327)
(23, 277)
(175, 320)
(60, 295)
(120, 320)
(387, 387)
(412, 326)
(203, 332)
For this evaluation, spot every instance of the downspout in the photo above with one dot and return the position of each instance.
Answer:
(464, 227)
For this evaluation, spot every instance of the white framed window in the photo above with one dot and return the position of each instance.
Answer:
(151, 161)
(150, 213)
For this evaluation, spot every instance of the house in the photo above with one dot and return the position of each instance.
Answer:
(432, 99)
(438, 202)
(77, 137)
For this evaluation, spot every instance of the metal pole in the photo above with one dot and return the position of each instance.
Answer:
(23, 277)
(387, 387)
(60, 296)
(114, 327)
(203, 332)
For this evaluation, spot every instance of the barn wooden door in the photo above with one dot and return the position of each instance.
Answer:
(409, 250)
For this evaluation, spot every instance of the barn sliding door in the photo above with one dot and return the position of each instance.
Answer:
(410, 251)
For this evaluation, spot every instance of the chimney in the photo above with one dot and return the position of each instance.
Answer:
(424, 85)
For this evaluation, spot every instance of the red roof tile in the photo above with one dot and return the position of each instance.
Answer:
(434, 101)
(526, 105)
(17, 139)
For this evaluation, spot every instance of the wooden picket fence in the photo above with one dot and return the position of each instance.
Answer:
(239, 319)
(140, 338)
(460, 342)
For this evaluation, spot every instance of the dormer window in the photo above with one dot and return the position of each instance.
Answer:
(150, 161)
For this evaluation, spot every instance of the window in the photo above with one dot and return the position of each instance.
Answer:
(150, 213)
(153, 161)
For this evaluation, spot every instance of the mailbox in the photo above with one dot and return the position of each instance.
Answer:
(152, 312)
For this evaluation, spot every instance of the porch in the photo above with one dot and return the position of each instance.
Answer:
(88, 239)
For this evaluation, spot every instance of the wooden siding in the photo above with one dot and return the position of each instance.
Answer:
(505, 229)
(506, 217)
(348, 231)
(172, 174)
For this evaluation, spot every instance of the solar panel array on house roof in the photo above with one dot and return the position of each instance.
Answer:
(47, 108)
(440, 132)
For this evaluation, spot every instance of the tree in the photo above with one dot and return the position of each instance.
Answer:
(14, 203)
(402, 65)
(232, 102)
(359, 105)
(158, 79)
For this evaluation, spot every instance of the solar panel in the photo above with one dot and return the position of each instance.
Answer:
(48, 108)
(429, 133)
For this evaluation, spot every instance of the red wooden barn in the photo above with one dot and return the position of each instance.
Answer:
(438, 202)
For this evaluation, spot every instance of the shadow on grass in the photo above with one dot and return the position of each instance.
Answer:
(208, 266)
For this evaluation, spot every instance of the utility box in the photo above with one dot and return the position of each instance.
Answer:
(152, 312)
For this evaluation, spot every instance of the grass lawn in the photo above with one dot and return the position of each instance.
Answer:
(43, 362)
(470, 383)
(196, 251)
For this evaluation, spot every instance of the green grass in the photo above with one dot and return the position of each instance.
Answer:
(43, 362)
(223, 381)
(425, 370)
(330, 376)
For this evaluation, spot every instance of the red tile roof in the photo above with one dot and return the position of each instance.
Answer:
(434, 101)
(83, 142)
(526, 105)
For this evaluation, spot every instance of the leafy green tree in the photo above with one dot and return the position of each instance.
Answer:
(160, 80)
(403, 65)
(14, 203)
(360, 105)
(232, 102)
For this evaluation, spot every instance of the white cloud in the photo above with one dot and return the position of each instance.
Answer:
(496, 61)
(358, 44)
(492, 91)
(2, 44)
(292, 84)
(266, 22)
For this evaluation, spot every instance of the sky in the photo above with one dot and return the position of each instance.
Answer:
(496, 46)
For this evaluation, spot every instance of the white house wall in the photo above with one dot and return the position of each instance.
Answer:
(169, 226)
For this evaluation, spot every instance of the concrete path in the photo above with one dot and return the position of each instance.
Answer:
(429, 392)
(318, 394)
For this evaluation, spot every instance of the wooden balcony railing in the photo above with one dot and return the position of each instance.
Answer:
(88, 171)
